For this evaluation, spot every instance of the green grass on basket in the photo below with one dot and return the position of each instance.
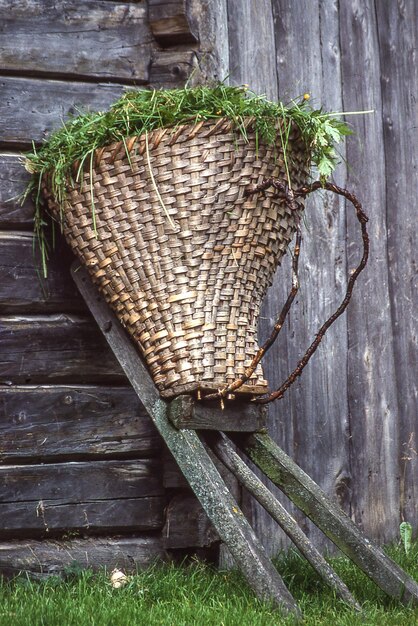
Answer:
(139, 112)
(200, 595)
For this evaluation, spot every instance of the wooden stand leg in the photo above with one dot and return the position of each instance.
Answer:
(193, 460)
(263, 495)
(327, 515)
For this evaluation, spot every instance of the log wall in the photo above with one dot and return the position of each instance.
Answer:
(84, 476)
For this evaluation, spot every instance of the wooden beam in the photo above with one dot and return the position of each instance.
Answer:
(327, 515)
(23, 99)
(100, 40)
(263, 495)
(235, 415)
(73, 423)
(46, 518)
(192, 459)
(41, 559)
(187, 525)
(22, 286)
(55, 349)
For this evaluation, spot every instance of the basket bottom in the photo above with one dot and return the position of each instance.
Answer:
(206, 388)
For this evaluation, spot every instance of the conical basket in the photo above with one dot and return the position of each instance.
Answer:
(181, 254)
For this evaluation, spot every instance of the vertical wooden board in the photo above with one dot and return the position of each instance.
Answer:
(373, 402)
(313, 419)
(398, 35)
(251, 46)
(211, 21)
(251, 42)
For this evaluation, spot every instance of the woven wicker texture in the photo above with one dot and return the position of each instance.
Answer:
(187, 285)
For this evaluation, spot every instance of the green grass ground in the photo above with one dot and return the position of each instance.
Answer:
(199, 595)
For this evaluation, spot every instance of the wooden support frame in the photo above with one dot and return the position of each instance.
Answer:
(178, 431)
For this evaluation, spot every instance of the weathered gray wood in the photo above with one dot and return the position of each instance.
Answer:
(327, 515)
(55, 349)
(73, 423)
(171, 69)
(30, 109)
(102, 40)
(373, 403)
(223, 511)
(187, 525)
(40, 559)
(23, 287)
(170, 22)
(13, 181)
(397, 30)
(80, 481)
(58, 517)
(193, 461)
(263, 495)
(211, 21)
(186, 412)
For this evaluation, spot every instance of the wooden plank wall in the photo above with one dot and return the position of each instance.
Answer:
(80, 460)
(351, 421)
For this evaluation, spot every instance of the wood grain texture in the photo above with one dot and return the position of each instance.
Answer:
(80, 481)
(41, 559)
(397, 30)
(22, 286)
(31, 108)
(13, 181)
(55, 349)
(70, 423)
(48, 518)
(170, 22)
(373, 403)
(93, 496)
(95, 39)
(186, 524)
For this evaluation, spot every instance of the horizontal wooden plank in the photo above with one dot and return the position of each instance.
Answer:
(73, 423)
(13, 182)
(30, 108)
(236, 415)
(102, 40)
(55, 349)
(187, 524)
(72, 482)
(45, 558)
(23, 287)
(32, 519)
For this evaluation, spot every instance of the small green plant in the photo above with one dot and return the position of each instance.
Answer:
(139, 112)
(405, 531)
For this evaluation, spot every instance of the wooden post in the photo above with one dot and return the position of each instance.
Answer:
(192, 459)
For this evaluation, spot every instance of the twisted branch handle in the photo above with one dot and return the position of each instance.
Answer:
(290, 196)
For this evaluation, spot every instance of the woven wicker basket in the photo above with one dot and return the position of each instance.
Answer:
(180, 253)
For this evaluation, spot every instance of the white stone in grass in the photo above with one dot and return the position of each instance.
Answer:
(118, 579)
